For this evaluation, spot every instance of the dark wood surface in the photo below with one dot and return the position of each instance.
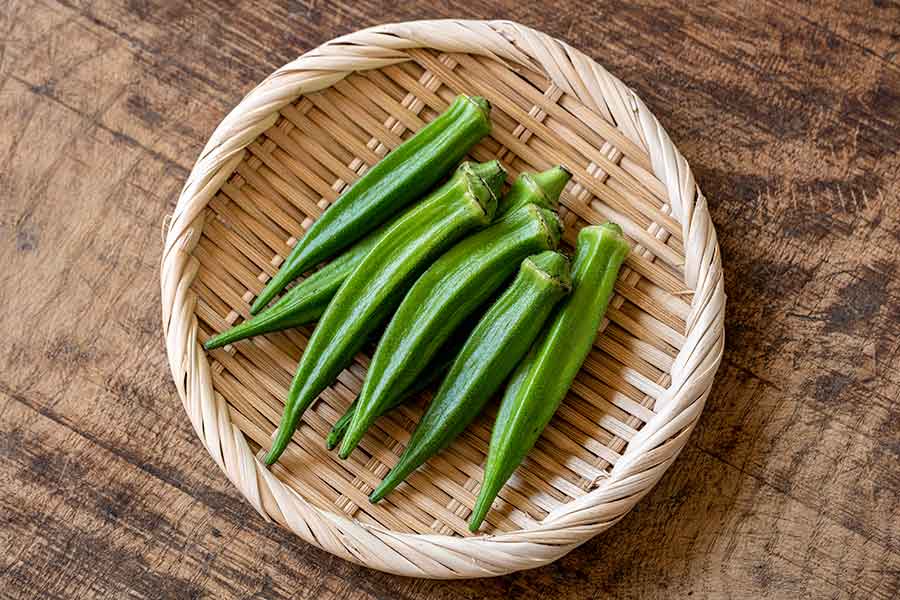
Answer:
(789, 113)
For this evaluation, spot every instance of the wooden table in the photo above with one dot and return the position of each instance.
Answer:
(790, 116)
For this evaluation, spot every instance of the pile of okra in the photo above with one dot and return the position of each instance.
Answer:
(467, 291)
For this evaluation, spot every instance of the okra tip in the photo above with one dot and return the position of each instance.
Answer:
(214, 342)
(347, 447)
(282, 437)
(395, 477)
(352, 436)
(229, 336)
(492, 483)
(379, 493)
(479, 512)
(262, 300)
(279, 281)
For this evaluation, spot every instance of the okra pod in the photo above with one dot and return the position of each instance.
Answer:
(303, 303)
(446, 294)
(541, 381)
(377, 285)
(306, 301)
(432, 373)
(498, 342)
(401, 177)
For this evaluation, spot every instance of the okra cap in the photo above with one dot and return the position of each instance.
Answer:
(550, 265)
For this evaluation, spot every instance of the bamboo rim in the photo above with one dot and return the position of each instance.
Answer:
(625, 166)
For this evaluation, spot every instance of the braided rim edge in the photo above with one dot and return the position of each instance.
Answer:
(647, 455)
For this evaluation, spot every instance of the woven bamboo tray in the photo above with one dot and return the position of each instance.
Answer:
(290, 148)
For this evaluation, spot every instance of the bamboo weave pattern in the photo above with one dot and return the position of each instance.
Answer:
(292, 146)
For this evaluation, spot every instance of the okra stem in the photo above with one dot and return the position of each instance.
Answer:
(541, 188)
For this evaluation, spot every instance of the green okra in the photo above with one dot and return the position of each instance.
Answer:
(377, 285)
(542, 189)
(443, 297)
(541, 381)
(498, 342)
(307, 300)
(401, 177)
(432, 373)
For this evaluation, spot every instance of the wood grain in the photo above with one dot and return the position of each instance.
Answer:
(790, 116)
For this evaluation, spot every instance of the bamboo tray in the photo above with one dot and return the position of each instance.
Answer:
(289, 149)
